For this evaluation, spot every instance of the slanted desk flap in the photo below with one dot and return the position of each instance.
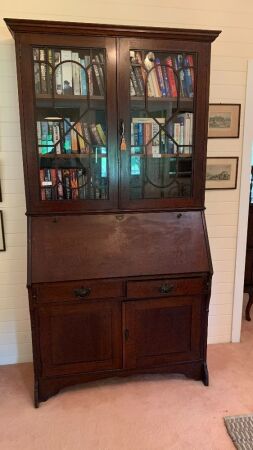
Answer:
(118, 245)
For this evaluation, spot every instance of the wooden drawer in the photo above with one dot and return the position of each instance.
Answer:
(79, 290)
(164, 287)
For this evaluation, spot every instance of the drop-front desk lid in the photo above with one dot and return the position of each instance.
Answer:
(117, 245)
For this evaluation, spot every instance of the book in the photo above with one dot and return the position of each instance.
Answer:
(58, 73)
(59, 185)
(53, 176)
(87, 136)
(43, 72)
(36, 65)
(67, 136)
(101, 133)
(66, 55)
(149, 133)
(171, 77)
(50, 71)
(99, 62)
(76, 74)
(137, 73)
(66, 184)
(44, 137)
(89, 72)
(189, 75)
(73, 183)
(42, 190)
(95, 135)
(74, 141)
(80, 139)
(56, 138)
(159, 75)
(83, 77)
(152, 78)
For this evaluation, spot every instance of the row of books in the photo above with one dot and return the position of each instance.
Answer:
(164, 78)
(173, 137)
(70, 184)
(59, 137)
(74, 73)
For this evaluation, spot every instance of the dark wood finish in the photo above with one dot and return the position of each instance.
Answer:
(81, 290)
(162, 331)
(119, 286)
(80, 29)
(80, 338)
(113, 248)
(162, 287)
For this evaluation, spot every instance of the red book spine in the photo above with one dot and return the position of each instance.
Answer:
(171, 77)
(42, 190)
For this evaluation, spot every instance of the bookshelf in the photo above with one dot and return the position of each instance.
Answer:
(114, 134)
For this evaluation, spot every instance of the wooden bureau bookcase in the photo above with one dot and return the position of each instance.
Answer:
(114, 132)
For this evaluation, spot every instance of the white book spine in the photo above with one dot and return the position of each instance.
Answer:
(66, 55)
(56, 137)
(58, 73)
(76, 74)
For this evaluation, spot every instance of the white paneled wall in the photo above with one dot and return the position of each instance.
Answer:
(228, 81)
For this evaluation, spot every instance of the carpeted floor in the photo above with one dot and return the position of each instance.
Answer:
(140, 413)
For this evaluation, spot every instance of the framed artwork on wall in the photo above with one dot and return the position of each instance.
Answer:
(224, 120)
(2, 238)
(221, 172)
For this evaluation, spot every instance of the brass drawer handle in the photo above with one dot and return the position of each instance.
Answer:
(83, 292)
(165, 288)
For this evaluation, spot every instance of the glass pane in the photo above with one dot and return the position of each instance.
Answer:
(162, 118)
(71, 123)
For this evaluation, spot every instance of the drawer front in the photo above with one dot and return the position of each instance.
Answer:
(80, 290)
(164, 287)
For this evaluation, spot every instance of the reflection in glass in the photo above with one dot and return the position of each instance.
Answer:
(162, 118)
(71, 123)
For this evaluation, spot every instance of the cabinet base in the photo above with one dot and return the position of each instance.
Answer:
(47, 387)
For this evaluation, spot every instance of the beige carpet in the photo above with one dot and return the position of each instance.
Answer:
(141, 413)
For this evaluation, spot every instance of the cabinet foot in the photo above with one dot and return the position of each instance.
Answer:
(205, 375)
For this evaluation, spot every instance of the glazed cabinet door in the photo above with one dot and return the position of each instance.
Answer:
(68, 110)
(163, 107)
(162, 331)
(80, 337)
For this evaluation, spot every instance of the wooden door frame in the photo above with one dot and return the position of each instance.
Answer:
(243, 208)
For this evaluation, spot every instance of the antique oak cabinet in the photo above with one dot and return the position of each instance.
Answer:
(114, 133)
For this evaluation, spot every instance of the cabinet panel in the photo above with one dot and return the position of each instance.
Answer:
(160, 161)
(79, 290)
(160, 331)
(73, 131)
(80, 338)
(163, 287)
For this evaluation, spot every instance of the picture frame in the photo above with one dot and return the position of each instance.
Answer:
(224, 120)
(2, 237)
(221, 172)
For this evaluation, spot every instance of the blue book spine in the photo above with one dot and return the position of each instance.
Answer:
(67, 143)
(166, 82)
(169, 136)
(136, 136)
(159, 76)
(140, 134)
(188, 79)
(83, 78)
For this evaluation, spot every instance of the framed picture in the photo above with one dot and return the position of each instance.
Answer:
(2, 238)
(224, 120)
(221, 173)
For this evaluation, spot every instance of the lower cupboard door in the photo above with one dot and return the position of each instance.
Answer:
(162, 331)
(80, 338)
